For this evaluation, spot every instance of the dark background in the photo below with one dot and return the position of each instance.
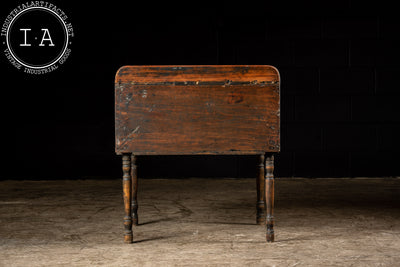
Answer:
(340, 86)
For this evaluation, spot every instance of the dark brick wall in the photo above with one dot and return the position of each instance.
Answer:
(340, 93)
(340, 86)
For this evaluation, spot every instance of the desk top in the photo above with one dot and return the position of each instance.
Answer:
(204, 109)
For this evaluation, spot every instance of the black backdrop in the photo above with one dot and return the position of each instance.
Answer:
(340, 86)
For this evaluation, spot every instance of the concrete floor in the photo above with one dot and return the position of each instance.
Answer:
(200, 222)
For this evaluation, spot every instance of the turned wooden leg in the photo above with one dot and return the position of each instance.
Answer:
(135, 218)
(269, 196)
(127, 189)
(260, 191)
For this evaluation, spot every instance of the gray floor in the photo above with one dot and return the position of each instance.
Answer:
(200, 222)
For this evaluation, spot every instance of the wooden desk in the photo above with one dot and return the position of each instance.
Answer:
(187, 110)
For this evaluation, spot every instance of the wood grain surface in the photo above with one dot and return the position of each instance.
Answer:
(197, 110)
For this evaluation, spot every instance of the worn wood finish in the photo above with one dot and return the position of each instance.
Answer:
(261, 191)
(197, 73)
(135, 218)
(185, 110)
(127, 192)
(174, 110)
(269, 196)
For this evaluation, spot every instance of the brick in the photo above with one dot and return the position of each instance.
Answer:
(226, 53)
(363, 108)
(389, 138)
(293, 27)
(375, 109)
(362, 7)
(383, 53)
(277, 53)
(321, 53)
(388, 53)
(363, 53)
(193, 166)
(287, 108)
(347, 81)
(350, 27)
(387, 81)
(175, 52)
(308, 8)
(255, 8)
(242, 28)
(350, 137)
(302, 137)
(300, 81)
(322, 108)
(370, 164)
(283, 164)
(169, 42)
(389, 26)
(321, 164)
(83, 150)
